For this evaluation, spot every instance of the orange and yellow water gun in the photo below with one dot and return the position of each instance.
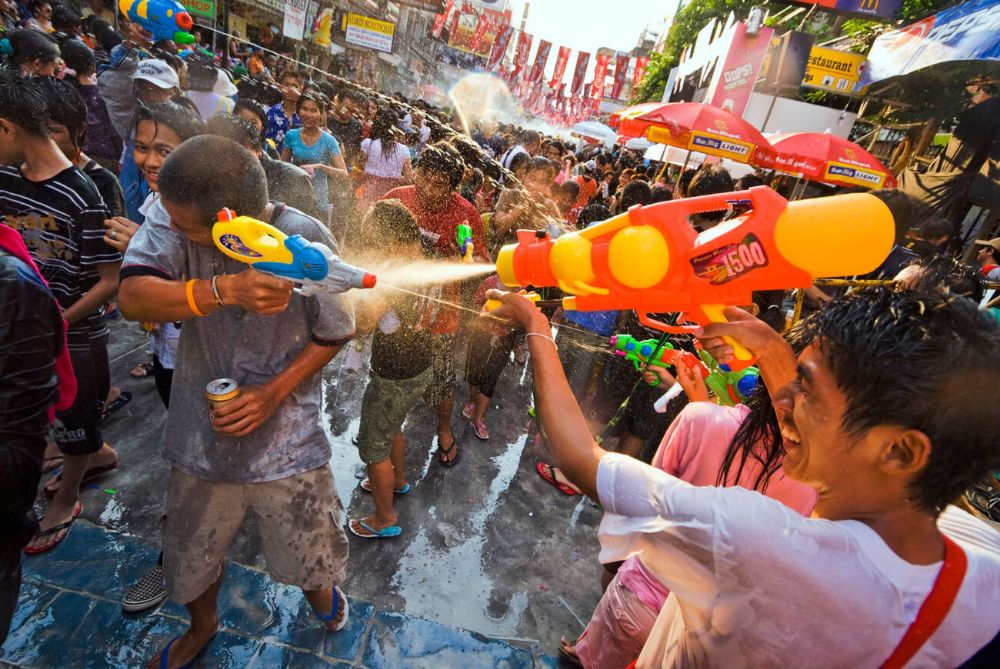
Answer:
(651, 260)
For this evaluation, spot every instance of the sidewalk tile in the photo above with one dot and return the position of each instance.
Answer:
(32, 598)
(346, 644)
(93, 560)
(277, 657)
(228, 651)
(402, 642)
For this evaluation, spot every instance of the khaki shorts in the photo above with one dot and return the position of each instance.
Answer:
(383, 411)
(300, 529)
(442, 386)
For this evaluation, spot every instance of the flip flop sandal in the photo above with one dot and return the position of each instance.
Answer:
(569, 656)
(545, 471)
(116, 405)
(479, 428)
(467, 410)
(338, 594)
(53, 530)
(389, 532)
(52, 463)
(88, 476)
(366, 485)
(165, 653)
(141, 371)
(443, 452)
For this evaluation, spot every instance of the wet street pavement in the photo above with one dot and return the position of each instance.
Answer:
(493, 566)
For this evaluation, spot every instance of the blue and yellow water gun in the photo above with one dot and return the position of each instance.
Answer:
(165, 19)
(267, 249)
(463, 237)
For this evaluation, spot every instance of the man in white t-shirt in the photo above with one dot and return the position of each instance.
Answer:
(880, 415)
(531, 143)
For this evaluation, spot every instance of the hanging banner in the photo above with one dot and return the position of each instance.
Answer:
(541, 57)
(500, 45)
(476, 41)
(621, 66)
(600, 74)
(521, 54)
(562, 58)
(369, 32)
(579, 72)
(969, 31)
(454, 22)
(441, 19)
(640, 70)
(323, 24)
(294, 26)
(734, 80)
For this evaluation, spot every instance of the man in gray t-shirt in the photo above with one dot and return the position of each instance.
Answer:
(266, 450)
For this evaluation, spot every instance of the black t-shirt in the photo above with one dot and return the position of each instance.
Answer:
(406, 352)
(108, 186)
(62, 222)
(349, 135)
(30, 341)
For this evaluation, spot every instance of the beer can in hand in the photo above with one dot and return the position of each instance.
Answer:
(220, 392)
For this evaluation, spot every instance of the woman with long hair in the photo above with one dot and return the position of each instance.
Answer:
(313, 149)
(386, 161)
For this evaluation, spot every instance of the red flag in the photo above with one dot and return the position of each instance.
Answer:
(441, 19)
(640, 70)
(600, 74)
(621, 65)
(499, 47)
(521, 54)
(541, 57)
(562, 57)
(456, 16)
(482, 24)
(579, 72)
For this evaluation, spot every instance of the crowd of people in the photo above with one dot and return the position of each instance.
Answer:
(824, 522)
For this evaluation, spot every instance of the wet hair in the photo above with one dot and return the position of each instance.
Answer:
(934, 228)
(253, 106)
(29, 45)
(322, 102)
(710, 180)
(941, 272)
(65, 19)
(21, 103)
(559, 145)
(905, 210)
(190, 176)
(443, 159)
(384, 130)
(64, 106)
(541, 164)
(592, 213)
(660, 195)
(684, 181)
(570, 189)
(918, 360)
(391, 220)
(530, 137)
(748, 181)
(78, 57)
(292, 74)
(518, 160)
(636, 192)
(202, 75)
(105, 35)
(349, 93)
(175, 114)
(236, 128)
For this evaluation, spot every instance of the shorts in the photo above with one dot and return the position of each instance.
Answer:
(383, 410)
(618, 629)
(442, 386)
(77, 430)
(299, 518)
(488, 357)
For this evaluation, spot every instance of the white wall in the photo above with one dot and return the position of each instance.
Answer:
(795, 116)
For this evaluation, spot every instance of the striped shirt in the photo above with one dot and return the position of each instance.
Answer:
(62, 222)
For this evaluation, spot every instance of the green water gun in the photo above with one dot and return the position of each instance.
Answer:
(463, 237)
(729, 387)
(638, 352)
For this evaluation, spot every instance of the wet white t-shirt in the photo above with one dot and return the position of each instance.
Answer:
(755, 584)
(380, 165)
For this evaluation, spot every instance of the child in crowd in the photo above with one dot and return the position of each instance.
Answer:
(490, 346)
(400, 372)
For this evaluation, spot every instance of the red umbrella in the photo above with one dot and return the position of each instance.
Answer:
(697, 127)
(829, 159)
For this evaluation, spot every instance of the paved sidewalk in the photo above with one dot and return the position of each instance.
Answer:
(69, 616)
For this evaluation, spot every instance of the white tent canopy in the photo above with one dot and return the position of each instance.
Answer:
(594, 130)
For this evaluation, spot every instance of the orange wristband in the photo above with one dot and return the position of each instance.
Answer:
(189, 292)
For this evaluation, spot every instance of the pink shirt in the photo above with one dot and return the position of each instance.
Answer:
(692, 450)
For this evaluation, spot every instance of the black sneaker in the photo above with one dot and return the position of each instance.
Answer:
(147, 593)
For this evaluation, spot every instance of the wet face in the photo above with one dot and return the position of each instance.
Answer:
(433, 188)
(64, 140)
(153, 143)
(291, 89)
(818, 451)
(44, 12)
(310, 114)
(552, 153)
(188, 221)
(150, 94)
(253, 118)
(538, 182)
